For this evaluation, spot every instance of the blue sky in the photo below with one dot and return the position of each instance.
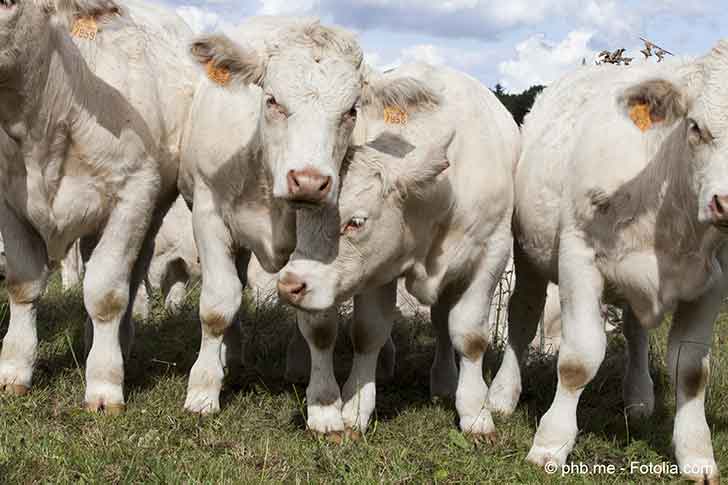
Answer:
(515, 42)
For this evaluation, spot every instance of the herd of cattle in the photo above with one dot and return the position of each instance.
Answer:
(341, 180)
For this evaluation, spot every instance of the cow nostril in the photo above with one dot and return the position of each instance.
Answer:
(326, 185)
(298, 289)
(293, 183)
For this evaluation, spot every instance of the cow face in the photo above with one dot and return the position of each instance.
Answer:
(314, 90)
(367, 241)
(701, 120)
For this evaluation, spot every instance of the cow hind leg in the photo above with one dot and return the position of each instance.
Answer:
(470, 333)
(174, 285)
(27, 273)
(638, 389)
(370, 331)
(688, 362)
(524, 312)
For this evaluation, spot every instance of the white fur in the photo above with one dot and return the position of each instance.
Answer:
(95, 127)
(617, 214)
(448, 235)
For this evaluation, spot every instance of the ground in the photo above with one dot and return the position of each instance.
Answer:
(260, 434)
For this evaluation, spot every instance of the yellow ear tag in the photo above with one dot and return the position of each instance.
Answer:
(395, 116)
(640, 115)
(219, 75)
(85, 28)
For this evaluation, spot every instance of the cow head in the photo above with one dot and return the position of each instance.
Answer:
(699, 112)
(367, 241)
(315, 88)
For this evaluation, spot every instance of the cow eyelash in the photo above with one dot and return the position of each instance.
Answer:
(356, 223)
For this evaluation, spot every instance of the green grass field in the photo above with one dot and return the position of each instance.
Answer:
(260, 436)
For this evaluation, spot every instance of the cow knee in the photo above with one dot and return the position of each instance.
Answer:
(24, 293)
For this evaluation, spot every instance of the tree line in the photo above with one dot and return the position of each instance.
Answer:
(518, 104)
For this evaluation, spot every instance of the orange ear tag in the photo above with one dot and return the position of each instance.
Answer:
(640, 115)
(218, 75)
(85, 28)
(395, 116)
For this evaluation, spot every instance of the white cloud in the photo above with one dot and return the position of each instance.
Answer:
(288, 7)
(427, 53)
(201, 21)
(539, 61)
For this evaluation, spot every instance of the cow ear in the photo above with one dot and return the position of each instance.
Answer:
(421, 169)
(225, 62)
(654, 102)
(399, 96)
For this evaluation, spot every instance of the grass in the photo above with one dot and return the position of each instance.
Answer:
(260, 435)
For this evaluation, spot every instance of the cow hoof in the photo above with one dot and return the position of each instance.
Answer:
(481, 425)
(335, 437)
(111, 409)
(202, 403)
(702, 471)
(353, 435)
(546, 459)
(15, 389)
(485, 439)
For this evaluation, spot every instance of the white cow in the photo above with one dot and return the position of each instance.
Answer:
(449, 235)
(269, 127)
(622, 191)
(94, 97)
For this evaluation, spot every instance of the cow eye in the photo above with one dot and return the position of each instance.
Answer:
(273, 105)
(352, 112)
(697, 134)
(354, 224)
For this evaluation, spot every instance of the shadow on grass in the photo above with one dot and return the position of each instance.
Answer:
(167, 345)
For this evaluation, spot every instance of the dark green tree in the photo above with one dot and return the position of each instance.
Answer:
(518, 104)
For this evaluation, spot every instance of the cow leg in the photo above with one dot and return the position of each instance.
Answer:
(113, 274)
(583, 345)
(688, 361)
(444, 371)
(27, 273)
(72, 267)
(220, 302)
(298, 360)
(370, 330)
(322, 395)
(470, 333)
(637, 387)
(174, 285)
(524, 312)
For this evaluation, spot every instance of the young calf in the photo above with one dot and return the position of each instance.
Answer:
(622, 193)
(431, 202)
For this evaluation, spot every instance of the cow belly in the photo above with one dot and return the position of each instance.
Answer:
(79, 207)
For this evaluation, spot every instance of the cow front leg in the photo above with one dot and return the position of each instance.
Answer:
(638, 389)
(370, 331)
(524, 312)
(323, 396)
(583, 345)
(27, 273)
(220, 302)
(688, 361)
(112, 274)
